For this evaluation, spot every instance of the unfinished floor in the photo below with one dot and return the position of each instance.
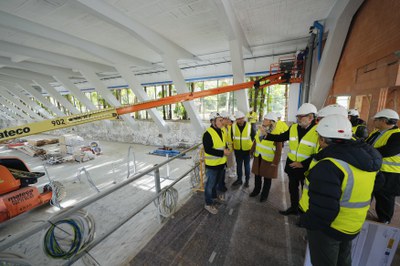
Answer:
(244, 232)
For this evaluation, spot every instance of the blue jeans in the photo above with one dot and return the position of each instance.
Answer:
(240, 159)
(213, 177)
(221, 183)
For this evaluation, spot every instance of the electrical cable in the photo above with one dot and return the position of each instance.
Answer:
(167, 202)
(68, 237)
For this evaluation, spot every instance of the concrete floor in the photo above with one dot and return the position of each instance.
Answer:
(106, 169)
(244, 232)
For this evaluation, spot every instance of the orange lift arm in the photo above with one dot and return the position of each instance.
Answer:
(113, 113)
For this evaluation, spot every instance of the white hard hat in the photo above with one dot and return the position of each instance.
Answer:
(278, 114)
(387, 113)
(271, 116)
(335, 126)
(307, 108)
(214, 115)
(232, 118)
(333, 109)
(224, 114)
(353, 112)
(239, 114)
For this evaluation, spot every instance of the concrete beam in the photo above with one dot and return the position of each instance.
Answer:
(338, 22)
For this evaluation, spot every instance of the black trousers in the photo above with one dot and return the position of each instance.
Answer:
(327, 251)
(294, 183)
(265, 188)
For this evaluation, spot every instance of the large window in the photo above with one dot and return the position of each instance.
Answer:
(264, 100)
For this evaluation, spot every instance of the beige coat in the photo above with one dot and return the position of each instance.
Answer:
(264, 168)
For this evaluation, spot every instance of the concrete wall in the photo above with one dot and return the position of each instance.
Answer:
(147, 132)
(368, 67)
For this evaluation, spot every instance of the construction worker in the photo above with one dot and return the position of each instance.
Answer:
(386, 139)
(267, 155)
(303, 140)
(252, 118)
(359, 127)
(333, 109)
(230, 164)
(281, 125)
(242, 136)
(215, 153)
(225, 130)
(337, 192)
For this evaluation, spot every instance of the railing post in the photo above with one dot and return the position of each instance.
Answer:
(157, 184)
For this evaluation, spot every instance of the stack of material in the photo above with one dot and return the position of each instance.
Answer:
(69, 143)
(30, 150)
(42, 142)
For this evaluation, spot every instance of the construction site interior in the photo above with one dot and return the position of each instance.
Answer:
(104, 104)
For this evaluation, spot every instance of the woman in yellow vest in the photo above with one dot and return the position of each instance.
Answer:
(386, 139)
(337, 192)
(267, 155)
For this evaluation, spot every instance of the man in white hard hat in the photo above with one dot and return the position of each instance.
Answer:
(337, 192)
(386, 139)
(333, 109)
(303, 141)
(359, 127)
(242, 136)
(215, 153)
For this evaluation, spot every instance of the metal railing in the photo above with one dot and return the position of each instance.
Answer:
(68, 211)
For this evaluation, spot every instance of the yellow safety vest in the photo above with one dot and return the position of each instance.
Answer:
(308, 145)
(229, 137)
(218, 144)
(242, 140)
(357, 188)
(265, 148)
(389, 164)
(252, 118)
(281, 126)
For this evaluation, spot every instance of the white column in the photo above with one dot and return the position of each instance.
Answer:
(239, 74)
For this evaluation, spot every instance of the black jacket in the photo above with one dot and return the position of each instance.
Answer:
(208, 147)
(301, 132)
(326, 181)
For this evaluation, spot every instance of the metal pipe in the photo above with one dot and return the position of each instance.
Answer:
(64, 213)
(320, 28)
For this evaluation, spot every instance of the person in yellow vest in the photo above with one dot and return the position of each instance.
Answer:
(281, 125)
(225, 130)
(215, 153)
(386, 139)
(242, 136)
(267, 155)
(359, 127)
(252, 118)
(303, 143)
(230, 164)
(337, 192)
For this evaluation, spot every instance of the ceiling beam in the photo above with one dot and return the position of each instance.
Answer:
(149, 37)
(29, 27)
(338, 22)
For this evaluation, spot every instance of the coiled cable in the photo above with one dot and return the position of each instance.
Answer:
(167, 202)
(67, 237)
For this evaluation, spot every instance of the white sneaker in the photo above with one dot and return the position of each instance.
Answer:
(211, 209)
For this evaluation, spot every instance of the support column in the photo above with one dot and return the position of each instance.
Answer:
(56, 95)
(180, 85)
(239, 74)
(106, 94)
(74, 90)
(138, 90)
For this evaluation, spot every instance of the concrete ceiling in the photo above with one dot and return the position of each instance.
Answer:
(197, 32)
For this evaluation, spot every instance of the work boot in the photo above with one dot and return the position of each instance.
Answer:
(263, 198)
(246, 184)
(254, 193)
(237, 182)
(211, 209)
(290, 211)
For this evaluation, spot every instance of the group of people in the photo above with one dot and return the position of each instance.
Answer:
(331, 158)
